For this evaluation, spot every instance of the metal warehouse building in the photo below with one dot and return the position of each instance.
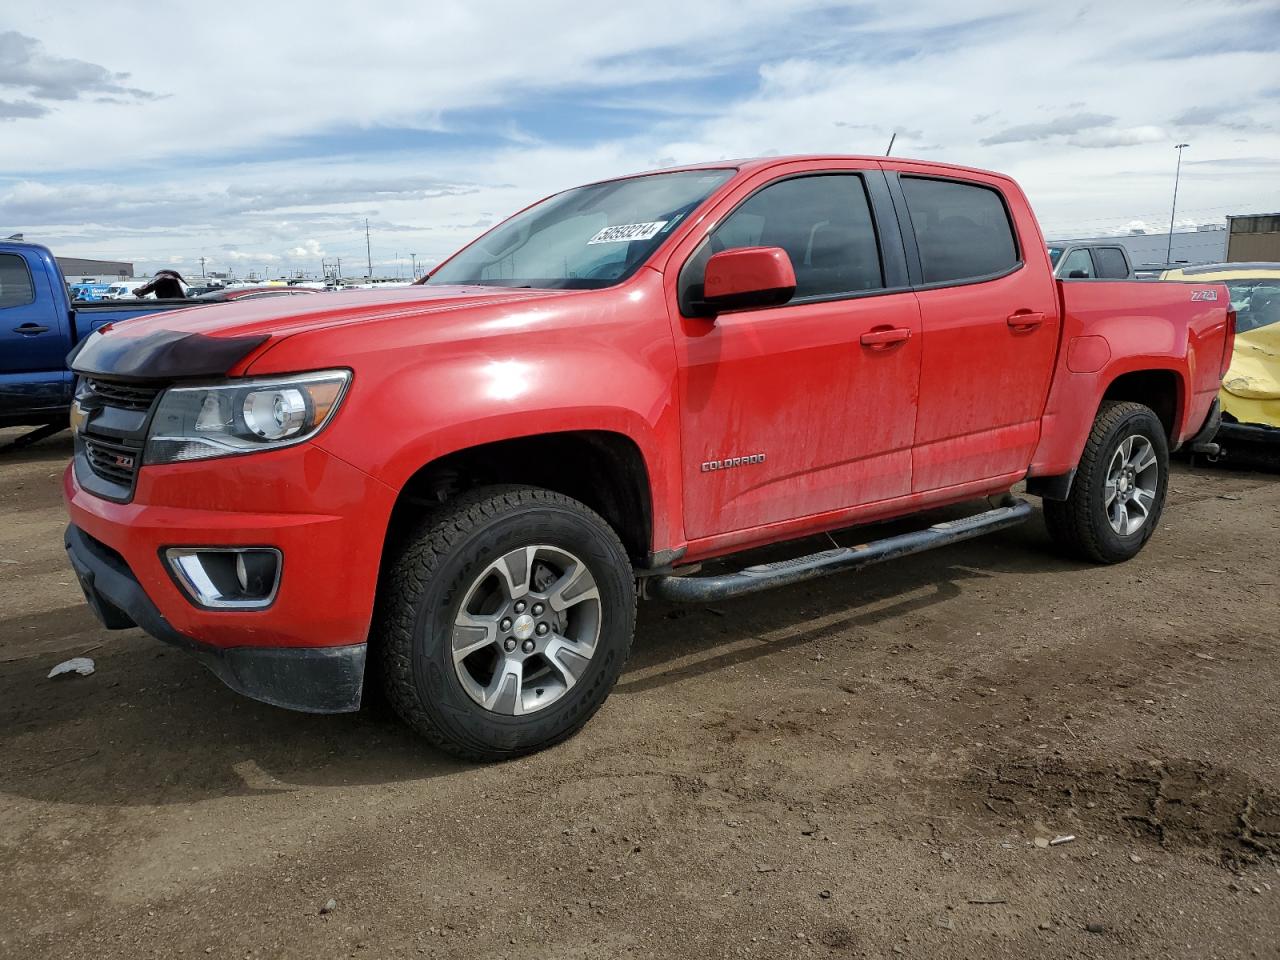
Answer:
(1253, 237)
(75, 267)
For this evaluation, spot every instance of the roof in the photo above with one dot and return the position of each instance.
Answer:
(760, 163)
(1086, 243)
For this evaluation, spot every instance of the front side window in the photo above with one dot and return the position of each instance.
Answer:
(1256, 303)
(824, 224)
(1111, 263)
(16, 289)
(962, 229)
(586, 238)
(1078, 266)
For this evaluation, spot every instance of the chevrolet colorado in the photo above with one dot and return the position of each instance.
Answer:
(468, 483)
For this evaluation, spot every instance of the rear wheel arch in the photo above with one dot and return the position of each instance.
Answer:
(1163, 390)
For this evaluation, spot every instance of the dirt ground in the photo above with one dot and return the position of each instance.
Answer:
(868, 765)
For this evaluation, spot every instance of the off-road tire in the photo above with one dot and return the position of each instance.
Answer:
(431, 566)
(1079, 524)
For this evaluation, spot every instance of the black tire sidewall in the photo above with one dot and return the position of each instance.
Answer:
(1114, 545)
(436, 683)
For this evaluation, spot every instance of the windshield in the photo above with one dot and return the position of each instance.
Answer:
(1055, 254)
(1256, 303)
(588, 237)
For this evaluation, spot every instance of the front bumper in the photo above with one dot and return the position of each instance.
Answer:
(306, 650)
(311, 679)
(1252, 419)
(1253, 432)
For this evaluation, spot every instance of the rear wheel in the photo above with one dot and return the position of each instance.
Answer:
(504, 621)
(1119, 489)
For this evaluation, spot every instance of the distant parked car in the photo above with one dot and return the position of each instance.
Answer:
(1250, 394)
(251, 293)
(119, 291)
(87, 291)
(1090, 261)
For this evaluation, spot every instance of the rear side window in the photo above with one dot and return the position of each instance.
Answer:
(1111, 263)
(15, 282)
(1078, 266)
(824, 224)
(962, 229)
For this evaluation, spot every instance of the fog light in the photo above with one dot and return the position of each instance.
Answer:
(227, 578)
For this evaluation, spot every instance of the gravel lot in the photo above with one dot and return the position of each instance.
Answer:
(869, 765)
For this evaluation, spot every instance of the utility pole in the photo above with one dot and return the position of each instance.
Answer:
(367, 249)
(414, 258)
(1168, 253)
(202, 274)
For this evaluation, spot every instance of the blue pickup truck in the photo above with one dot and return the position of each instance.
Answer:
(39, 324)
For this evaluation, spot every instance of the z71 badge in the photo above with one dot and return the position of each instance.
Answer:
(1204, 295)
(730, 462)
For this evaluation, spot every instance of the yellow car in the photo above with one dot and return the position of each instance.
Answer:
(1250, 395)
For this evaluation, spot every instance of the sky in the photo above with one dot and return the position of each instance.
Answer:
(261, 136)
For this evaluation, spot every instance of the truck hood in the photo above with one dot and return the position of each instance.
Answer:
(212, 339)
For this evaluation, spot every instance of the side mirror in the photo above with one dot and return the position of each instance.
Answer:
(1077, 275)
(749, 277)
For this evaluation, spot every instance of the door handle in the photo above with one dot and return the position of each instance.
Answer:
(1025, 320)
(882, 339)
(30, 329)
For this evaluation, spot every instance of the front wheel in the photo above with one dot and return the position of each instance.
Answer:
(1119, 489)
(504, 621)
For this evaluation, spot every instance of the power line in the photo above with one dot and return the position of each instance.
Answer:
(367, 249)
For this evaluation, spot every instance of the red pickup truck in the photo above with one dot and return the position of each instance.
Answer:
(468, 483)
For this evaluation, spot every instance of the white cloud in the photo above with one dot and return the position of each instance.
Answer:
(309, 248)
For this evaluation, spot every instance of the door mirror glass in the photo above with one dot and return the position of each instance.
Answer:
(748, 277)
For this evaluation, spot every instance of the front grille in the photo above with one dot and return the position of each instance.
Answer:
(112, 461)
(126, 395)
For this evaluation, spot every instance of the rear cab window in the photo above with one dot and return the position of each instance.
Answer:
(963, 230)
(1078, 265)
(1111, 262)
(16, 288)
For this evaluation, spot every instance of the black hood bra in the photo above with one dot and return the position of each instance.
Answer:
(163, 355)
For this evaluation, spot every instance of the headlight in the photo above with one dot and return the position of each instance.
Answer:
(194, 423)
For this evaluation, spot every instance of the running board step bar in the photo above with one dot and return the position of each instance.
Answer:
(693, 589)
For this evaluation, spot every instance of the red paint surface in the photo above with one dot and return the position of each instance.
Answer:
(750, 269)
(954, 393)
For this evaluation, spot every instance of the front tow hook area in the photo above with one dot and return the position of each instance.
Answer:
(307, 679)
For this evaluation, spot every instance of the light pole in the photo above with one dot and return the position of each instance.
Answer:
(1168, 253)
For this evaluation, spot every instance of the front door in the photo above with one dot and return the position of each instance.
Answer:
(33, 342)
(809, 407)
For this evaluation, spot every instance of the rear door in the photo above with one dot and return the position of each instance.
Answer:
(792, 411)
(34, 340)
(990, 326)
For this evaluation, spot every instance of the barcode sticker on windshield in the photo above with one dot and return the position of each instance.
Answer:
(626, 232)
